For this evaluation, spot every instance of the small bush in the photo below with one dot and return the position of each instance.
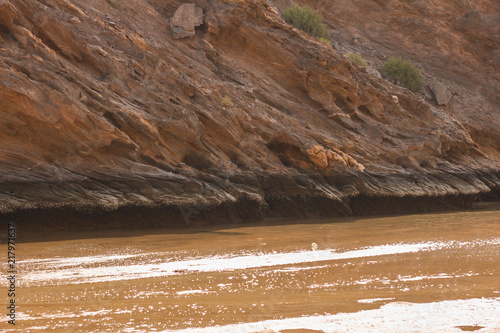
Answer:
(307, 19)
(404, 72)
(356, 57)
(326, 41)
(226, 101)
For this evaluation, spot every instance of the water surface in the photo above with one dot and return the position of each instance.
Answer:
(415, 273)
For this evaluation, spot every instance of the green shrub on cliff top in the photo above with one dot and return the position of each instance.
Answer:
(307, 19)
(404, 72)
(326, 41)
(356, 57)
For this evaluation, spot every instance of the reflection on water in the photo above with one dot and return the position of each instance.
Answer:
(418, 273)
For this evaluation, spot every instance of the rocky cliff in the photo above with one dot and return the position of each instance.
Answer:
(110, 111)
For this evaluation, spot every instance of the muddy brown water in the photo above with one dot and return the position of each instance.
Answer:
(413, 273)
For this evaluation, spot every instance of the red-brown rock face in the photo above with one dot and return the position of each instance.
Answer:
(102, 108)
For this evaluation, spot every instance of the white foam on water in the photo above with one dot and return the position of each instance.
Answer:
(296, 269)
(387, 281)
(322, 286)
(76, 261)
(400, 317)
(121, 271)
(373, 300)
(24, 316)
(430, 277)
(408, 278)
(190, 292)
(27, 329)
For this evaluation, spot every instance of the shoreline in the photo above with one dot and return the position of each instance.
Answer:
(48, 235)
(124, 203)
(185, 219)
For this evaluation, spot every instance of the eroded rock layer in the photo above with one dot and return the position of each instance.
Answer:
(104, 112)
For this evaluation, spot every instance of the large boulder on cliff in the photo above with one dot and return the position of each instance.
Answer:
(185, 19)
(441, 93)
